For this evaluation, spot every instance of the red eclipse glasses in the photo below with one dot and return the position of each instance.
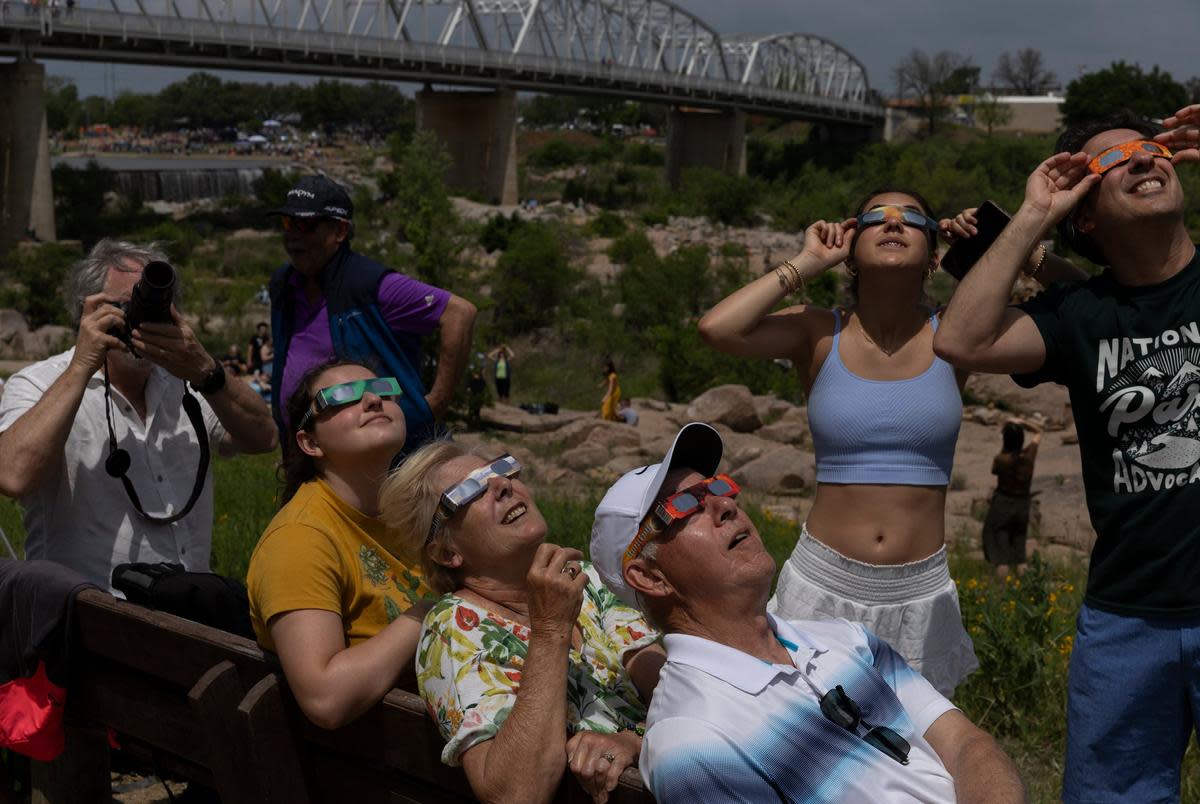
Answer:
(678, 506)
(1110, 158)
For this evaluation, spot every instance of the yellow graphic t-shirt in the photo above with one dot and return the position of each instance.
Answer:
(320, 553)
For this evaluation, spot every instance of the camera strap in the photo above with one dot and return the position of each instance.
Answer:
(118, 462)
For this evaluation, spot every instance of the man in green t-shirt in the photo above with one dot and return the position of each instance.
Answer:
(1126, 344)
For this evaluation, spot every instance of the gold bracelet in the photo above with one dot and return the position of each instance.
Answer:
(1038, 267)
(796, 282)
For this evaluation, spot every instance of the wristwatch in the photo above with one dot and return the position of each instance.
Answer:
(213, 381)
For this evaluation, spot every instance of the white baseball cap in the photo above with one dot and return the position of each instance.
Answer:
(619, 515)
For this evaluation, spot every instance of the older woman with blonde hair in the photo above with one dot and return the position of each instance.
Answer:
(528, 663)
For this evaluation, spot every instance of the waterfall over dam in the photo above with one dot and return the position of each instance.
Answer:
(155, 178)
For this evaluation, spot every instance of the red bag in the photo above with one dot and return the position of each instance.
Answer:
(31, 716)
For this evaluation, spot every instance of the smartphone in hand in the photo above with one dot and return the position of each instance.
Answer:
(963, 255)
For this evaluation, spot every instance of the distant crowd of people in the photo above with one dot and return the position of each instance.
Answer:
(400, 556)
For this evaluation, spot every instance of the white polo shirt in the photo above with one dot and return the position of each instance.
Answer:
(80, 516)
(726, 726)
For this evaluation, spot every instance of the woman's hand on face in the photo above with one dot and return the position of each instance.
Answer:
(555, 582)
(1183, 134)
(1057, 185)
(597, 760)
(960, 227)
(828, 242)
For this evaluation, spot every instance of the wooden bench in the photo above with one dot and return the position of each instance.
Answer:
(209, 707)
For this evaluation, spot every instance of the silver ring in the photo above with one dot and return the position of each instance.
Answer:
(572, 571)
(609, 755)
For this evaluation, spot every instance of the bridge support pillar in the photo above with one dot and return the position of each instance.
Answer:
(703, 138)
(479, 129)
(26, 194)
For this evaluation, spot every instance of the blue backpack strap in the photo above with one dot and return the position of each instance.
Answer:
(360, 332)
(282, 319)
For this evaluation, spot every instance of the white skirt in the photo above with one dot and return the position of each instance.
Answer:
(913, 607)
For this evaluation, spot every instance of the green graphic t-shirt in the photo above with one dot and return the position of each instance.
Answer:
(1130, 358)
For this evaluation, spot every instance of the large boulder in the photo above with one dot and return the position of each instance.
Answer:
(45, 341)
(769, 407)
(785, 470)
(512, 418)
(584, 457)
(731, 405)
(12, 326)
(785, 432)
(610, 434)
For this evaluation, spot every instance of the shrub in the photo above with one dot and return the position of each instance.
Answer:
(557, 153)
(531, 279)
(644, 154)
(630, 247)
(1022, 629)
(688, 367)
(497, 231)
(607, 224)
(31, 277)
(719, 196)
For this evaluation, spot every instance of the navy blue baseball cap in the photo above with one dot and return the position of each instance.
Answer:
(317, 197)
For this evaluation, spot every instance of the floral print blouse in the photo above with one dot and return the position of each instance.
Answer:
(469, 664)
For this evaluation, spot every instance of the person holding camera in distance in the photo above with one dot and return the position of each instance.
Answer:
(330, 302)
(884, 413)
(327, 591)
(1126, 344)
(109, 412)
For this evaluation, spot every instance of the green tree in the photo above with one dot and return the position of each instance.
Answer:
(426, 217)
(79, 200)
(991, 112)
(64, 112)
(532, 278)
(931, 79)
(30, 278)
(1122, 86)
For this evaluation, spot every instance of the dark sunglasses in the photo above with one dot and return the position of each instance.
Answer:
(347, 393)
(469, 489)
(299, 225)
(679, 505)
(840, 709)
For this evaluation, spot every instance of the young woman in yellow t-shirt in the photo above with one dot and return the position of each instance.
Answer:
(327, 592)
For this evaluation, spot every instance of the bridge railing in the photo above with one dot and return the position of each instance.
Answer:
(57, 32)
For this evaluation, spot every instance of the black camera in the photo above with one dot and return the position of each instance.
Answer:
(150, 300)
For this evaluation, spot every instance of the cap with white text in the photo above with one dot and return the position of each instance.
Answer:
(317, 197)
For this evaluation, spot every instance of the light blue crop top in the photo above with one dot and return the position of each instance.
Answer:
(899, 432)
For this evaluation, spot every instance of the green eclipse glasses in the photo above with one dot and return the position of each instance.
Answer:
(469, 489)
(347, 393)
(910, 217)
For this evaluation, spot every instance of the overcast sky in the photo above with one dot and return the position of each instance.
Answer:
(1074, 35)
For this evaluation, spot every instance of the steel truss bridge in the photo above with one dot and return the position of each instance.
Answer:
(650, 50)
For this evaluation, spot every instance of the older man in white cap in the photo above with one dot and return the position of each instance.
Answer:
(754, 709)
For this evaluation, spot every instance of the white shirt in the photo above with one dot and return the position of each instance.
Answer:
(726, 726)
(80, 516)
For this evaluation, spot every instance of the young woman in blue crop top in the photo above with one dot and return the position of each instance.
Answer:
(884, 413)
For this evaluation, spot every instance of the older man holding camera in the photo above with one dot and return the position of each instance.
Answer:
(749, 708)
(116, 411)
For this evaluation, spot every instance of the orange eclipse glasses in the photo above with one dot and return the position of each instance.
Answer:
(678, 506)
(1110, 158)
